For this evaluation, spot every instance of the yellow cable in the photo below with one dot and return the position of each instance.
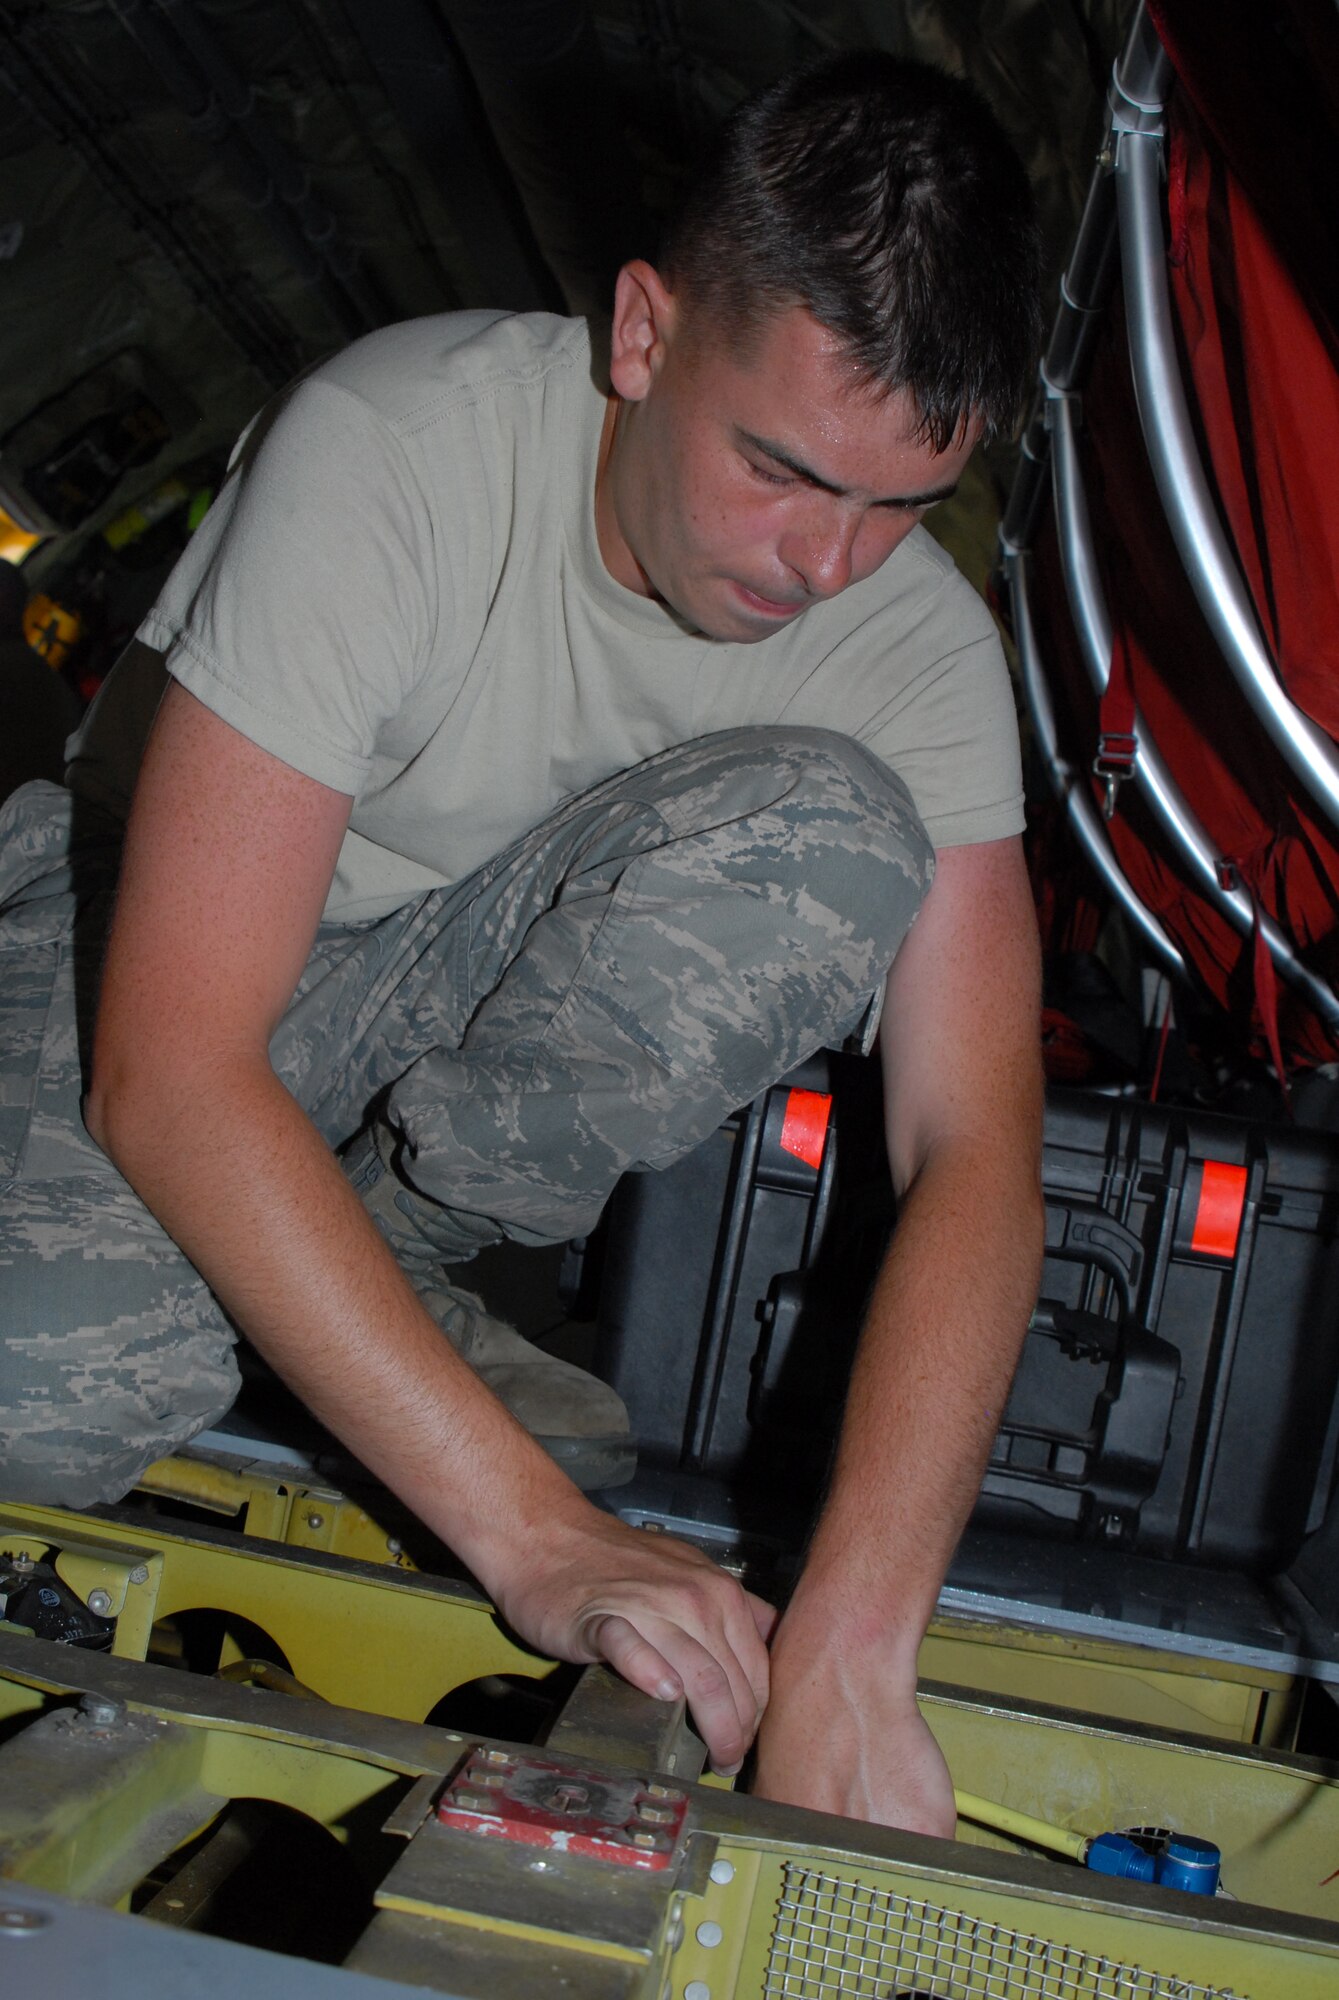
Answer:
(1022, 1826)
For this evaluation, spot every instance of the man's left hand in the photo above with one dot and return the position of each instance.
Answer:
(846, 1736)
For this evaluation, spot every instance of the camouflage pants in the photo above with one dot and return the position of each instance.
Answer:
(495, 1054)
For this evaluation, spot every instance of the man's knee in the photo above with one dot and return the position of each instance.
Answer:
(823, 841)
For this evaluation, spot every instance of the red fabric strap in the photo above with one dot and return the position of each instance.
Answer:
(805, 1125)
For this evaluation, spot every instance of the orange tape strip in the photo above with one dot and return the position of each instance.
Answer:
(1218, 1217)
(805, 1125)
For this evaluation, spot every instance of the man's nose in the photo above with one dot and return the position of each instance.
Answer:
(820, 549)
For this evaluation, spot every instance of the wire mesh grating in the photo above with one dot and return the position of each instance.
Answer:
(836, 1936)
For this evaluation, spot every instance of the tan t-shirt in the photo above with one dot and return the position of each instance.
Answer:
(399, 592)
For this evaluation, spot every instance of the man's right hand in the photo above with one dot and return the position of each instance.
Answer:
(586, 1587)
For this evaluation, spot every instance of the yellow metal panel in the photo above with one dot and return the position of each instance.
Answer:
(1126, 1683)
(381, 1640)
(1275, 1819)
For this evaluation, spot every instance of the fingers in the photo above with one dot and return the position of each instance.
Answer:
(618, 1642)
(664, 1659)
(765, 1616)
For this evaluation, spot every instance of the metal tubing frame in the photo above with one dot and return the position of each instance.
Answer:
(1166, 800)
(1084, 817)
(1138, 92)
(1138, 134)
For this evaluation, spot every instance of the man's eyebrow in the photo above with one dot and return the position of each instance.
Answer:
(781, 456)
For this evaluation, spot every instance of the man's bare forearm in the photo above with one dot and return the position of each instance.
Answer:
(939, 1348)
(843, 1731)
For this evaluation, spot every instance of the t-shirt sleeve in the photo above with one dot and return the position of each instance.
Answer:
(958, 750)
(926, 684)
(304, 607)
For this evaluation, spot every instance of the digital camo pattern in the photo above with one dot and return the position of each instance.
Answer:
(600, 996)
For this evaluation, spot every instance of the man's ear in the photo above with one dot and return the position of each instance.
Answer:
(645, 315)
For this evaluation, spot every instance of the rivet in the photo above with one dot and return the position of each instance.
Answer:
(722, 1872)
(709, 1935)
(315, 1521)
(21, 1923)
(697, 1989)
(394, 1546)
(99, 1602)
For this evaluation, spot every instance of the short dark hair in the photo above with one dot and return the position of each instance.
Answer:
(882, 195)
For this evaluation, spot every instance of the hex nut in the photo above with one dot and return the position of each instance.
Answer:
(22, 1923)
(102, 1710)
(99, 1602)
(140, 1573)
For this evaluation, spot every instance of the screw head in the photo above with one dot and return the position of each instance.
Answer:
(394, 1546)
(21, 1923)
(100, 1602)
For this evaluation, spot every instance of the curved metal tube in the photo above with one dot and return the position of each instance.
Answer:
(1187, 501)
(1168, 803)
(1084, 817)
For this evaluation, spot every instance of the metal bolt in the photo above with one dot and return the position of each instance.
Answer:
(20, 1923)
(498, 1757)
(664, 1792)
(23, 1560)
(657, 1815)
(140, 1573)
(394, 1547)
(709, 1935)
(493, 1779)
(316, 1521)
(103, 1710)
(656, 1843)
(100, 1601)
(473, 1801)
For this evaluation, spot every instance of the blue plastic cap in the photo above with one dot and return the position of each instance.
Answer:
(1113, 1854)
(1190, 1864)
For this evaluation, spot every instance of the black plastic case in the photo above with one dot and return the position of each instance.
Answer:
(1178, 1392)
